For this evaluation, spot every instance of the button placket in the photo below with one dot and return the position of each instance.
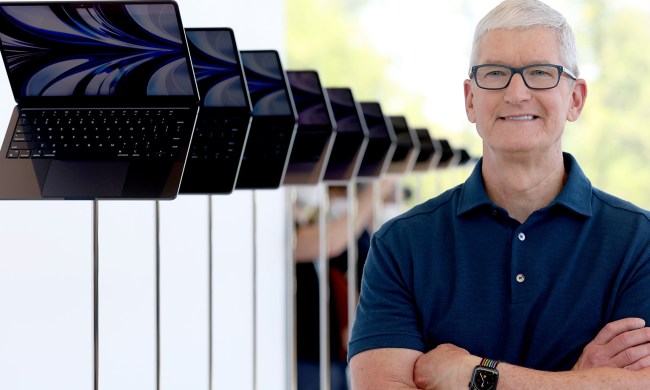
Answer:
(520, 254)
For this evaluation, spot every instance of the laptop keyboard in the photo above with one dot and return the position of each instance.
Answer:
(100, 133)
(218, 138)
(270, 144)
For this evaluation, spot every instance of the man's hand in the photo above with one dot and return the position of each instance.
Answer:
(623, 344)
(444, 367)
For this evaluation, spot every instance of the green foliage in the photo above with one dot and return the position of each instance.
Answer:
(323, 37)
(611, 138)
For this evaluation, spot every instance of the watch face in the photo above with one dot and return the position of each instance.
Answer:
(485, 378)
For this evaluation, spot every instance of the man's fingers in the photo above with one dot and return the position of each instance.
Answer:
(615, 328)
(633, 358)
(639, 364)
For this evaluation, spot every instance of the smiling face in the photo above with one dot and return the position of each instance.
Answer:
(517, 119)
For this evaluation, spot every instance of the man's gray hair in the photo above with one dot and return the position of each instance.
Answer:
(524, 14)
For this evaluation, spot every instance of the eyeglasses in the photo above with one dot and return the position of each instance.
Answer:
(537, 76)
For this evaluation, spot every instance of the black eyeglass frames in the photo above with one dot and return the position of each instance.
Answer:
(536, 76)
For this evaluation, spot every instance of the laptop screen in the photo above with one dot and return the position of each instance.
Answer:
(375, 119)
(427, 150)
(404, 140)
(381, 141)
(96, 50)
(345, 110)
(217, 67)
(309, 97)
(266, 83)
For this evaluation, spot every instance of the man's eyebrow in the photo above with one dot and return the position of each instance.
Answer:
(500, 62)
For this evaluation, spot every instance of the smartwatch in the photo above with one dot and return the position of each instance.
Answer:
(485, 376)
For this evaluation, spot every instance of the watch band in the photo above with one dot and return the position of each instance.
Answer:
(489, 363)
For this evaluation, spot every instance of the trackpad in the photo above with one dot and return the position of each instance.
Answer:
(85, 179)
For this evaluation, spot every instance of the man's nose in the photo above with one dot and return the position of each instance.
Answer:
(517, 90)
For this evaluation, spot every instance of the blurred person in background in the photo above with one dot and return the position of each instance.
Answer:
(307, 292)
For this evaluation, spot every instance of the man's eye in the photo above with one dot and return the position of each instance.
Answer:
(539, 73)
(495, 73)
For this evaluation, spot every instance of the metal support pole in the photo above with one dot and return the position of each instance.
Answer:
(96, 293)
(353, 253)
(377, 205)
(210, 292)
(254, 296)
(157, 292)
(323, 288)
(290, 302)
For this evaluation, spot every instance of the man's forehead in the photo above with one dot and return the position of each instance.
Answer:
(531, 45)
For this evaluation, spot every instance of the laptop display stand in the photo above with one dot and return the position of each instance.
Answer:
(157, 254)
(210, 318)
(353, 252)
(323, 286)
(96, 294)
(254, 294)
(290, 274)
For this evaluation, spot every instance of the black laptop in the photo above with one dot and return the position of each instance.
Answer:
(430, 151)
(381, 142)
(316, 129)
(106, 100)
(274, 121)
(351, 136)
(407, 149)
(448, 155)
(225, 116)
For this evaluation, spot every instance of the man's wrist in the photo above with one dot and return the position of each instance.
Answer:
(468, 366)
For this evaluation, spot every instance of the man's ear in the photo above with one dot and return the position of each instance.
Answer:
(578, 98)
(469, 101)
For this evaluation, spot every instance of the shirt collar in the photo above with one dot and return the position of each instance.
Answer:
(575, 195)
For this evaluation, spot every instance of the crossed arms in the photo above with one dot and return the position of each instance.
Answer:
(617, 358)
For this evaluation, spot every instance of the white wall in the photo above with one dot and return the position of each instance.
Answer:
(46, 274)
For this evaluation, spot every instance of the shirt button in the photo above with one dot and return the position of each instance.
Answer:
(521, 236)
(521, 278)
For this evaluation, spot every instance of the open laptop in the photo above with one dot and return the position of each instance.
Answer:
(274, 125)
(316, 129)
(225, 116)
(381, 142)
(407, 149)
(430, 151)
(351, 136)
(106, 100)
(448, 155)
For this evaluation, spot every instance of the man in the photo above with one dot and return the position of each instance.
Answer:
(525, 276)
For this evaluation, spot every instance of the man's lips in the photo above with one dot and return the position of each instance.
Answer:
(519, 117)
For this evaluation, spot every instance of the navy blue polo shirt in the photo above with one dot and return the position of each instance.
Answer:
(457, 269)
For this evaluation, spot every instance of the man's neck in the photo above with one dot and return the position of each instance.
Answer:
(523, 185)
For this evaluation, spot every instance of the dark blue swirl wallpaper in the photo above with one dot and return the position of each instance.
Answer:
(309, 98)
(345, 110)
(266, 83)
(375, 120)
(98, 49)
(217, 68)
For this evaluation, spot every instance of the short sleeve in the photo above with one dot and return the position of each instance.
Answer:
(386, 316)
